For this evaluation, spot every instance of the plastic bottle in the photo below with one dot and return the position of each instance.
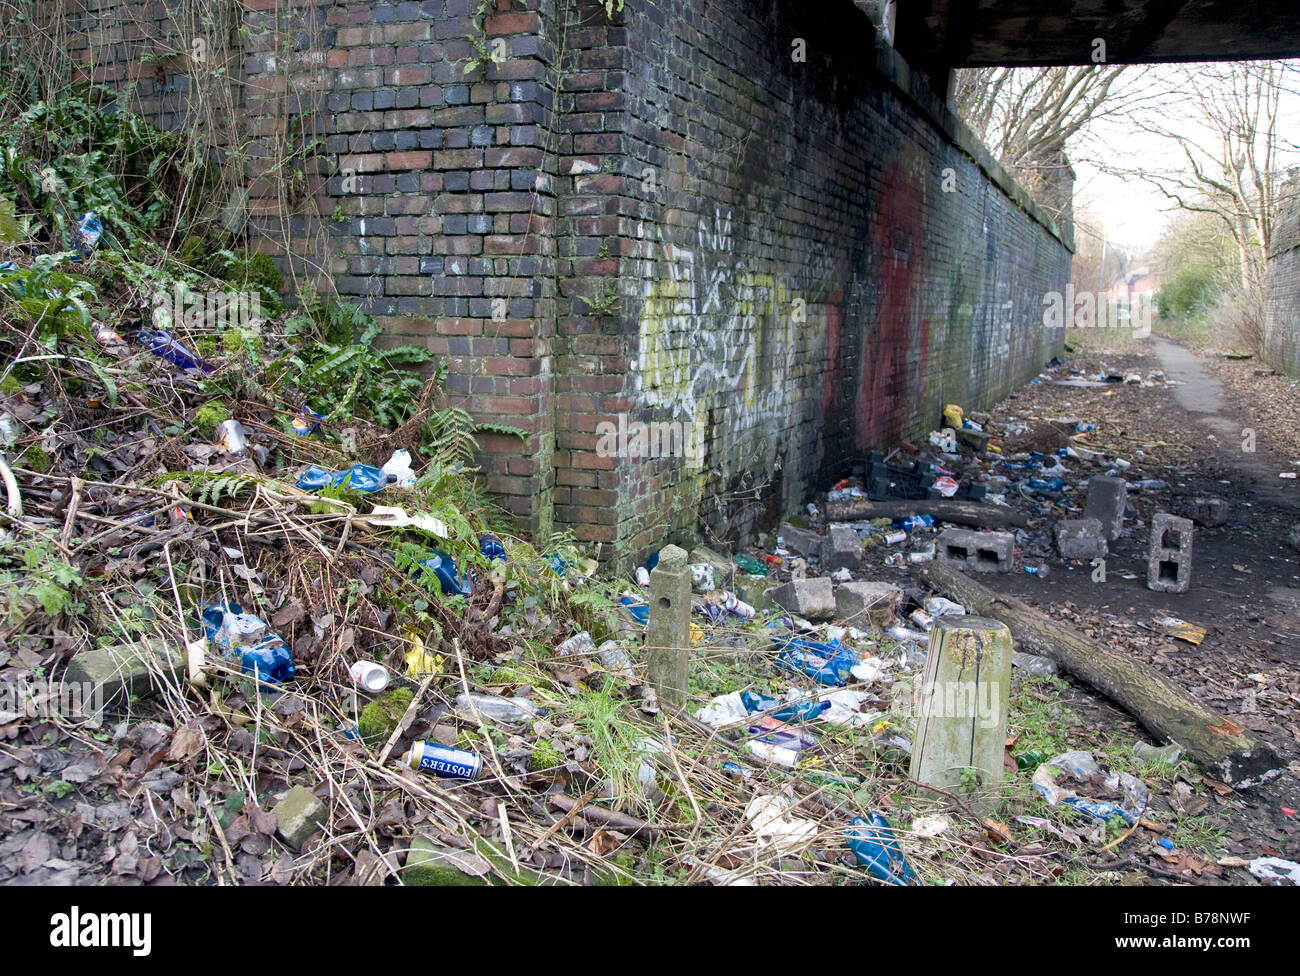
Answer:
(579, 643)
(876, 847)
(359, 477)
(800, 712)
(161, 343)
(510, 710)
(491, 547)
(443, 567)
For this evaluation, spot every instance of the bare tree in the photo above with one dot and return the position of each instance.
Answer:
(1223, 121)
(1029, 117)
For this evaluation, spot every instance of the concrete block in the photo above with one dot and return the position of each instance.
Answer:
(299, 816)
(1210, 512)
(981, 552)
(842, 549)
(1169, 562)
(811, 598)
(123, 671)
(1080, 539)
(668, 633)
(1106, 500)
(754, 590)
(859, 602)
(430, 864)
(803, 541)
(724, 570)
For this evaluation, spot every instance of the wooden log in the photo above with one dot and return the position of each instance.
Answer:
(1220, 747)
(944, 509)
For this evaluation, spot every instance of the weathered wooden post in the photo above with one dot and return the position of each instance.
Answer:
(668, 635)
(961, 722)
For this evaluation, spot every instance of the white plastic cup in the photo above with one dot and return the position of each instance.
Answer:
(370, 676)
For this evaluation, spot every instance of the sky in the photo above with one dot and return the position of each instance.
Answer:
(1133, 211)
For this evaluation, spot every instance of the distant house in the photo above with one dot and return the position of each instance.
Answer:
(1136, 285)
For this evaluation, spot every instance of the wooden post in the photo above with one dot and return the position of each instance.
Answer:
(668, 635)
(961, 723)
(1223, 749)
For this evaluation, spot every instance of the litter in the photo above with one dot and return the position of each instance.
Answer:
(1276, 869)
(876, 847)
(1079, 766)
(359, 477)
(398, 468)
(247, 639)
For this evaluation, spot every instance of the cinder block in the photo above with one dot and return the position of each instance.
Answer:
(862, 601)
(811, 598)
(1169, 564)
(980, 552)
(1209, 512)
(807, 544)
(1080, 539)
(842, 549)
(1106, 500)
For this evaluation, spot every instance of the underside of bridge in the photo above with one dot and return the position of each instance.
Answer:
(980, 33)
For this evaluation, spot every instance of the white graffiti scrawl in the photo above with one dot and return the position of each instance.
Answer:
(717, 342)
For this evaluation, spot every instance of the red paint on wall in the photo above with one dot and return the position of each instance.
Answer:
(898, 242)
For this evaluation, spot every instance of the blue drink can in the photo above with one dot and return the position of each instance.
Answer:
(430, 757)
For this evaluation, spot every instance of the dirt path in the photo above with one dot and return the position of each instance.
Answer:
(1246, 576)
(1204, 397)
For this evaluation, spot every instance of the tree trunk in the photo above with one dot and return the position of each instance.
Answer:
(944, 509)
(1220, 747)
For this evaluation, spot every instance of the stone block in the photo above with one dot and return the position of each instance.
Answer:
(858, 602)
(299, 816)
(811, 598)
(1081, 539)
(1106, 500)
(980, 552)
(1169, 561)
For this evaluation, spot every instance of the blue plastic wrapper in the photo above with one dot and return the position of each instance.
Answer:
(89, 229)
(804, 711)
(162, 343)
(639, 609)
(269, 659)
(876, 847)
(443, 567)
(306, 423)
(828, 663)
(359, 477)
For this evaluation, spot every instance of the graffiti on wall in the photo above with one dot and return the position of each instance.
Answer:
(718, 341)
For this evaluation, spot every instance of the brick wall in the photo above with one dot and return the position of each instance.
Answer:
(812, 257)
(665, 219)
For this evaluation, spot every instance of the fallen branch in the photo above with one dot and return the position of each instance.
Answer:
(943, 509)
(1220, 747)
